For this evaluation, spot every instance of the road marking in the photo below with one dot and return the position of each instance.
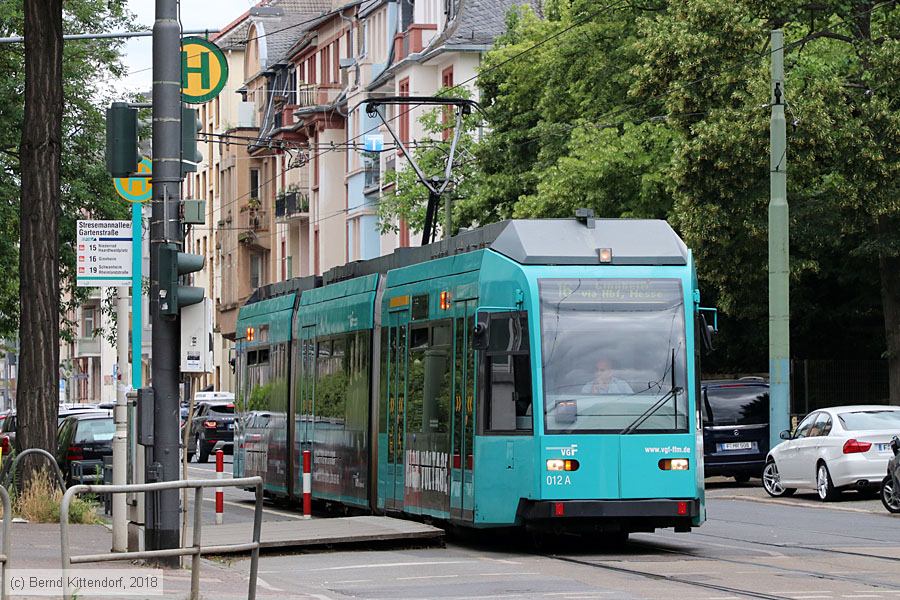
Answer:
(806, 597)
(273, 511)
(508, 574)
(426, 577)
(505, 561)
(860, 596)
(266, 586)
(348, 581)
(398, 564)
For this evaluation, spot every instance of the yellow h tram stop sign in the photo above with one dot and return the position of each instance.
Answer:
(136, 189)
(204, 70)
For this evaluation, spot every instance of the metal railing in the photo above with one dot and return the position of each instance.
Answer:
(4, 558)
(195, 550)
(11, 468)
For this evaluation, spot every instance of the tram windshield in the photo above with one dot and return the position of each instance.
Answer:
(613, 354)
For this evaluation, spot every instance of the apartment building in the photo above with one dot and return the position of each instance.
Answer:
(290, 188)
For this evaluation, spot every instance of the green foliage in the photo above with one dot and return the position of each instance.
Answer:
(88, 65)
(661, 110)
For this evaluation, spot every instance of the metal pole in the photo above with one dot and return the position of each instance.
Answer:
(120, 440)
(137, 293)
(163, 506)
(779, 285)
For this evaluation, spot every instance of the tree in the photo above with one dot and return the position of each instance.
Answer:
(709, 59)
(39, 224)
(51, 187)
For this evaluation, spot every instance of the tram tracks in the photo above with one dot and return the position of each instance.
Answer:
(742, 592)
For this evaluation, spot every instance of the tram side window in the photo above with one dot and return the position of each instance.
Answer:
(415, 406)
(507, 362)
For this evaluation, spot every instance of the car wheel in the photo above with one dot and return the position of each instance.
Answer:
(824, 486)
(772, 481)
(889, 496)
(202, 451)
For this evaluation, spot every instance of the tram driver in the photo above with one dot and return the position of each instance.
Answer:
(605, 381)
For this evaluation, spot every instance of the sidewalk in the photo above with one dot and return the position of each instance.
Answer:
(36, 546)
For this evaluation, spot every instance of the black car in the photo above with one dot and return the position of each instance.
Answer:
(84, 438)
(211, 429)
(735, 427)
(9, 423)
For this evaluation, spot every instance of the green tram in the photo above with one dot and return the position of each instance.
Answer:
(529, 372)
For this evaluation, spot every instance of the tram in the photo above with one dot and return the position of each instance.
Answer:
(529, 373)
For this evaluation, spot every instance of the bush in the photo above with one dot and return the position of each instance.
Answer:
(40, 503)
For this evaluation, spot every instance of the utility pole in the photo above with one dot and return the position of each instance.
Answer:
(120, 439)
(779, 260)
(162, 508)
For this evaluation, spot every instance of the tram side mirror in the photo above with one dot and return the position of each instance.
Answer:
(785, 435)
(481, 333)
(707, 331)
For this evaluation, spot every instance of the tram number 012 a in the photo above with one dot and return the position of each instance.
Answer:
(559, 480)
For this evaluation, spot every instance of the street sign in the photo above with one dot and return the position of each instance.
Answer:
(136, 189)
(374, 143)
(104, 252)
(204, 70)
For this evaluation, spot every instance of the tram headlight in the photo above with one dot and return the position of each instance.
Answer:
(559, 464)
(674, 464)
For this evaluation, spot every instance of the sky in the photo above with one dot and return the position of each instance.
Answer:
(195, 14)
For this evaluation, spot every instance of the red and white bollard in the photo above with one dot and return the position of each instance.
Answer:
(307, 484)
(220, 496)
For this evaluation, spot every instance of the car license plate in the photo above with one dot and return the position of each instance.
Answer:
(736, 446)
(230, 426)
(883, 447)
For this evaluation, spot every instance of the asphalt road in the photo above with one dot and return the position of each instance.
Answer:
(752, 546)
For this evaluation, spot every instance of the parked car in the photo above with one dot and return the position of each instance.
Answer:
(211, 429)
(833, 449)
(85, 437)
(735, 427)
(9, 423)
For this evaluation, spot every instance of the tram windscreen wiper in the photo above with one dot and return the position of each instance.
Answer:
(672, 393)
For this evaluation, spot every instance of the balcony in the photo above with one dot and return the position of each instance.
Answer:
(291, 206)
(246, 115)
(414, 39)
(284, 115)
(85, 346)
(311, 95)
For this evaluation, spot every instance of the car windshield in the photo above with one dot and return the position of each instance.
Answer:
(222, 409)
(608, 351)
(870, 419)
(95, 430)
(738, 405)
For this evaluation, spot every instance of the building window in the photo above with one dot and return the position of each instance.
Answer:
(447, 117)
(404, 112)
(254, 183)
(87, 318)
(363, 39)
(256, 269)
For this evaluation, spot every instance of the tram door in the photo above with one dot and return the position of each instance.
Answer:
(395, 413)
(462, 463)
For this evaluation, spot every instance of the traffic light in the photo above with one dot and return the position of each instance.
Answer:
(122, 156)
(191, 125)
(173, 264)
